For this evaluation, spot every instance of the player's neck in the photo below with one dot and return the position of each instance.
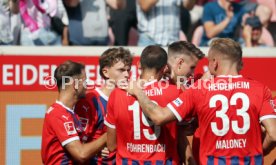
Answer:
(227, 71)
(150, 76)
(67, 99)
(106, 90)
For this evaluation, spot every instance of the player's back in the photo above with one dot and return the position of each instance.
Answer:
(229, 110)
(138, 140)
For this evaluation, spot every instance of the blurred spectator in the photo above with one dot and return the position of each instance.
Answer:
(223, 18)
(9, 22)
(37, 29)
(252, 32)
(60, 22)
(159, 20)
(121, 21)
(190, 20)
(88, 20)
(272, 25)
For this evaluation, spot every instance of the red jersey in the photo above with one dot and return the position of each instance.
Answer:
(229, 110)
(138, 140)
(91, 111)
(61, 126)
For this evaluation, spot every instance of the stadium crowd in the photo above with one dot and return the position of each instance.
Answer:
(136, 22)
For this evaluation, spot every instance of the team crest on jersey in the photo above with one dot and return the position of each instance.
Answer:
(84, 123)
(177, 102)
(70, 128)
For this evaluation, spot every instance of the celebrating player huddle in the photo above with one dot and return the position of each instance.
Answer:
(146, 121)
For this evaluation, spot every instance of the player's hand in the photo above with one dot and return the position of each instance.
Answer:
(207, 75)
(105, 152)
(134, 86)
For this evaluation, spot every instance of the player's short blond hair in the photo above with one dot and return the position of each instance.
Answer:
(228, 49)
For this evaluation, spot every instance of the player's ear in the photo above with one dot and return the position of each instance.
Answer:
(75, 84)
(180, 62)
(216, 64)
(105, 72)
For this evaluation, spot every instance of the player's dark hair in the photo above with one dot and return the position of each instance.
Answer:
(153, 57)
(69, 69)
(229, 48)
(185, 48)
(112, 56)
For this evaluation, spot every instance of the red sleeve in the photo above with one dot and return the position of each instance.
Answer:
(110, 118)
(183, 106)
(64, 128)
(267, 108)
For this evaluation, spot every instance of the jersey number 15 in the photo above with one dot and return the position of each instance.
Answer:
(137, 121)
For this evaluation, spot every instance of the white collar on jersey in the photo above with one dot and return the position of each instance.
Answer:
(150, 82)
(102, 94)
(230, 76)
(60, 103)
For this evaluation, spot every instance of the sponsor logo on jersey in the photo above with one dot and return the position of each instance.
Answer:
(65, 117)
(177, 102)
(85, 108)
(70, 128)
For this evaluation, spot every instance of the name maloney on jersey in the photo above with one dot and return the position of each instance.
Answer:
(228, 86)
(232, 143)
(149, 148)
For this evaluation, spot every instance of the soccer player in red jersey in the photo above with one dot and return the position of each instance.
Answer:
(137, 140)
(61, 143)
(182, 60)
(115, 64)
(229, 107)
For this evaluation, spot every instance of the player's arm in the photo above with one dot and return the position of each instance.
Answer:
(158, 115)
(111, 139)
(116, 4)
(83, 152)
(269, 142)
(267, 115)
(184, 148)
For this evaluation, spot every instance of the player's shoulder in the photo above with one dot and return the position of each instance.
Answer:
(91, 94)
(256, 85)
(172, 88)
(118, 92)
(55, 110)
